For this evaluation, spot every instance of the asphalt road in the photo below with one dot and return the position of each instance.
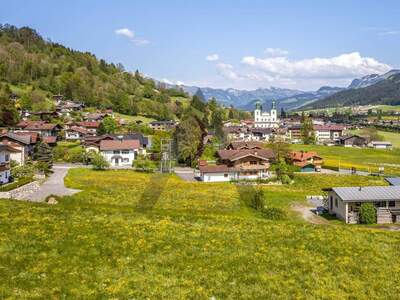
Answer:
(54, 185)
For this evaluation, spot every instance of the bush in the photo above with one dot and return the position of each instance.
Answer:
(99, 162)
(15, 184)
(27, 170)
(367, 213)
(285, 179)
(257, 201)
(43, 167)
(144, 164)
(273, 213)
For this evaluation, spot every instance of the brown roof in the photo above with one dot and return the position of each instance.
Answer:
(49, 139)
(245, 145)
(214, 169)
(119, 145)
(88, 124)
(334, 127)
(233, 155)
(34, 136)
(78, 129)
(41, 126)
(8, 148)
(23, 124)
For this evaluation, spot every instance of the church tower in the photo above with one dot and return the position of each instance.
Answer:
(257, 112)
(274, 113)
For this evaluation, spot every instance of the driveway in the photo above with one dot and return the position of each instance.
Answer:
(186, 174)
(54, 185)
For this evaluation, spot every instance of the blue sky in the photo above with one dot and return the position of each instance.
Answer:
(299, 44)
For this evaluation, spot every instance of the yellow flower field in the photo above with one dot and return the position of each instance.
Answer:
(147, 236)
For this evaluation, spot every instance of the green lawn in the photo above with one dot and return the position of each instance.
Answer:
(363, 159)
(143, 236)
(393, 137)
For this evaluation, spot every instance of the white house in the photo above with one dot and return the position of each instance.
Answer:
(217, 173)
(266, 119)
(328, 132)
(75, 133)
(5, 152)
(345, 202)
(120, 152)
(380, 145)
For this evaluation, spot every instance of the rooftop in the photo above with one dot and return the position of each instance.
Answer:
(368, 193)
(119, 145)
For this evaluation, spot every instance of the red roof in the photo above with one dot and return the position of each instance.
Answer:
(119, 145)
(23, 124)
(303, 155)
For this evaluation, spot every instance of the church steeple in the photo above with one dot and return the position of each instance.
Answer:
(273, 105)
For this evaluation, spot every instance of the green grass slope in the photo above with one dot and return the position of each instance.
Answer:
(141, 236)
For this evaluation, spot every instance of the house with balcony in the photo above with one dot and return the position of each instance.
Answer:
(243, 164)
(22, 143)
(5, 157)
(75, 133)
(307, 161)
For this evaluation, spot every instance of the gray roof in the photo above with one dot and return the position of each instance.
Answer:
(393, 180)
(368, 193)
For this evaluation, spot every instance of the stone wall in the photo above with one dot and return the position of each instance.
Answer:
(22, 192)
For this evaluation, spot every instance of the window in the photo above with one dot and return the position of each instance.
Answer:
(253, 162)
(126, 159)
(225, 175)
(7, 157)
(116, 151)
(392, 203)
(336, 202)
(125, 151)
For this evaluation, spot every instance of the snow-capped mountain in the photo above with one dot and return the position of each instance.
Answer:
(370, 79)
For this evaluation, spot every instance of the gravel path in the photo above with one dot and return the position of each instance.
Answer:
(54, 185)
(308, 215)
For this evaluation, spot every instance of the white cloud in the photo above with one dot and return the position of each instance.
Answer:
(167, 81)
(276, 52)
(227, 71)
(389, 32)
(348, 65)
(212, 57)
(125, 32)
(130, 34)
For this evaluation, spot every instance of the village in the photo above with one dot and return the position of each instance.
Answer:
(250, 152)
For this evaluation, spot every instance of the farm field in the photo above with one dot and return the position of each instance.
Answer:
(129, 119)
(393, 137)
(133, 235)
(364, 159)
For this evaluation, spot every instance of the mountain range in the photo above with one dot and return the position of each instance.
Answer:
(289, 99)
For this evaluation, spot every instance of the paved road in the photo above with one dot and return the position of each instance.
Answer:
(54, 185)
(186, 174)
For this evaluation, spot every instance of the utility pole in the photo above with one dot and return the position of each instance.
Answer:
(166, 156)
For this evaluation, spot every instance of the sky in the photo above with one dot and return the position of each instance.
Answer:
(298, 44)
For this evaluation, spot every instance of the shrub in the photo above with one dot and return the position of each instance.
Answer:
(257, 201)
(27, 170)
(99, 162)
(285, 179)
(15, 184)
(273, 213)
(144, 164)
(367, 213)
(43, 167)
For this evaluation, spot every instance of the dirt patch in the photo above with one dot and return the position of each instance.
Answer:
(308, 215)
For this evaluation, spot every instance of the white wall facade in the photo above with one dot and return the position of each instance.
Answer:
(118, 158)
(217, 177)
(4, 160)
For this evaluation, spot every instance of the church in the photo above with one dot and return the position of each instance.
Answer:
(264, 119)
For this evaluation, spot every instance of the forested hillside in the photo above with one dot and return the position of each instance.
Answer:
(35, 69)
(386, 91)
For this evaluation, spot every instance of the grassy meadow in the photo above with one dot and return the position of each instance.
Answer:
(129, 235)
(364, 159)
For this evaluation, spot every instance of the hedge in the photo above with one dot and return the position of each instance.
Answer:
(15, 184)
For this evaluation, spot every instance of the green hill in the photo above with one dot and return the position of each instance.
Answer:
(35, 69)
(384, 92)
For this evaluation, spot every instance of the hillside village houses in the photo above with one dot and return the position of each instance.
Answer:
(120, 152)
